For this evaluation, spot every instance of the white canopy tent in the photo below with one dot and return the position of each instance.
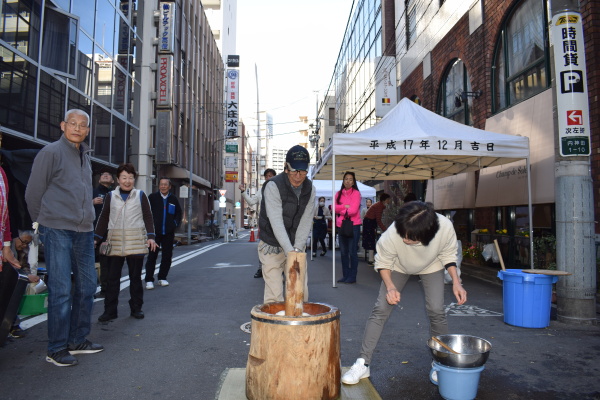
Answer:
(413, 143)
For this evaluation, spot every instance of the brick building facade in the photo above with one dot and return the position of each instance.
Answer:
(476, 48)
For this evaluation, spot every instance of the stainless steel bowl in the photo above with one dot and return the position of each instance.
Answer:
(474, 351)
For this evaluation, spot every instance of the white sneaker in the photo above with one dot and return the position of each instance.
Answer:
(163, 283)
(149, 285)
(357, 372)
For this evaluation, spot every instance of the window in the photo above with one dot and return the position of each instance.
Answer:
(101, 129)
(331, 116)
(520, 66)
(119, 143)
(104, 31)
(183, 64)
(85, 11)
(51, 109)
(85, 69)
(18, 79)
(450, 105)
(103, 71)
(20, 26)
(59, 43)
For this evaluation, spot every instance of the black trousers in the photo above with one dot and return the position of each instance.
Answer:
(166, 246)
(103, 272)
(136, 291)
(103, 260)
(315, 244)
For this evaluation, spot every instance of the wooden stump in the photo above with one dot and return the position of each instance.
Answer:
(294, 358)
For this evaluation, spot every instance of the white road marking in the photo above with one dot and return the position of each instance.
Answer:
(229, 265)
(29, 322)
(454, 310)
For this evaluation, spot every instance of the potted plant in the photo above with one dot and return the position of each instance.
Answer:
(472, 254)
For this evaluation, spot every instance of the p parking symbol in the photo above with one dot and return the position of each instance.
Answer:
(571, 81)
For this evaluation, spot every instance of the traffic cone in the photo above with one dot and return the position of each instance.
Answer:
(252, 236)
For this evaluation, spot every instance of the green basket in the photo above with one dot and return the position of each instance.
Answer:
(34, 304)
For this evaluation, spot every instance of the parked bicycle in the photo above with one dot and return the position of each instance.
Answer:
(212, 229)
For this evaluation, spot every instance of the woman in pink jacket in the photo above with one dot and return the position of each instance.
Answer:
(347, 201)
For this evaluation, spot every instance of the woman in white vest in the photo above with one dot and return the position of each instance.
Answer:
(126, 224)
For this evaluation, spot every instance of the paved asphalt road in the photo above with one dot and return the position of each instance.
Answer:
(191, 335)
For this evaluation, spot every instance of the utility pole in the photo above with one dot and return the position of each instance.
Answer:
(141, 141)
(191, 165)
(257, 132)
(314, 137)
(317, 126)
(575, 238)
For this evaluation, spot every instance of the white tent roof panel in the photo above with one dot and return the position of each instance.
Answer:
(411, 142)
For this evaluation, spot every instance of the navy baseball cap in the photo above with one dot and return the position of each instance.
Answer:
(298, 158)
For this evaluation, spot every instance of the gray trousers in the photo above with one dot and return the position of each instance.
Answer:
(433, 286)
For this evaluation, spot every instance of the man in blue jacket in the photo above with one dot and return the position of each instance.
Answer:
(166, 212)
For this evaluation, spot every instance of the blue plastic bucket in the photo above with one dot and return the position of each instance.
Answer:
(527, 298)
(457, 383)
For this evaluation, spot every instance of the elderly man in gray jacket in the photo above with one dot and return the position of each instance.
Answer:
(285, 221)
(58, 195)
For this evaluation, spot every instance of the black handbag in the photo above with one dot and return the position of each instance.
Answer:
(347, 228)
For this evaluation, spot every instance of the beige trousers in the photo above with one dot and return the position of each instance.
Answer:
(273, 269)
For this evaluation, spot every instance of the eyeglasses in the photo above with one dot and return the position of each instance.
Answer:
(25, 242)
(300, 172)
(75, 125)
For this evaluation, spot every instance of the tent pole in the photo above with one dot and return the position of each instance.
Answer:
(333, 222)
(530, 213)
(432, 189)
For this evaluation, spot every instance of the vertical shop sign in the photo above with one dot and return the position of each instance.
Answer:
(166, 25)
(385, 85)
(120, 90)
(232, 104)
(571, 84)
(124, 35)
(165, 81)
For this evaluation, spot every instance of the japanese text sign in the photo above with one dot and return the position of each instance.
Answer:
(571, 88)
